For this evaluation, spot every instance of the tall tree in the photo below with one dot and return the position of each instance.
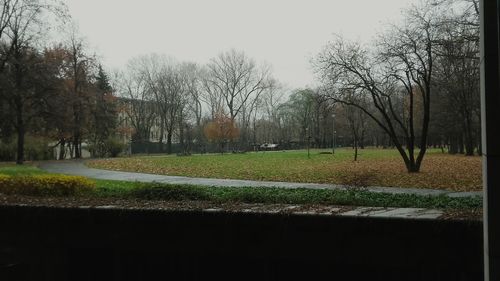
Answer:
(28, 85)
(237, 80)
(79, 72)
(136, 102)
(401, 69)
(104, 113)
(60, 105)
(194, 88)
(21, 25)
(457, 68)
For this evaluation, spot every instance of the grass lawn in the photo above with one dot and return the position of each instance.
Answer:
(16, 170)
(375, 167)
(154, 191)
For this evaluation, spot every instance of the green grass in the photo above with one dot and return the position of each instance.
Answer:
(298, 196)
(375, 167)
(17, 170)
(156, 191)
(111, 188)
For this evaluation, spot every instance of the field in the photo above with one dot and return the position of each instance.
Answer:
(375, 167)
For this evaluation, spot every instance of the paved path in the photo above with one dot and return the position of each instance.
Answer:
(78, 168)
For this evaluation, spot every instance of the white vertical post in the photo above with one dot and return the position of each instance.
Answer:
(490, 127)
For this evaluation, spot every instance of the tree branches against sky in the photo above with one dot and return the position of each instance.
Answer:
(283, 33)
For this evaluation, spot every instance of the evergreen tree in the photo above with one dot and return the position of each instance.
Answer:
(105, 115)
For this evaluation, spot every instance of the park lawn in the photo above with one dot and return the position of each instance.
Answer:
(375, 167)
(221, 195)
(19, 170)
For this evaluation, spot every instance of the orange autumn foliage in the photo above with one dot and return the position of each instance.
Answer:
(222, 129)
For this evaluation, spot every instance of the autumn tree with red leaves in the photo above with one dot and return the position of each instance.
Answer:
(222, 130)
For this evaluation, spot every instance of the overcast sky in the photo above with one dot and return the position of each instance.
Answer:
(283, 33)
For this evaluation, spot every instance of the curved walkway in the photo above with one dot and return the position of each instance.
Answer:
(78, 168)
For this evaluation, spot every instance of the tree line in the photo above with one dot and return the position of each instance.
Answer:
(418, 81)
(415, 85)
(56, 94)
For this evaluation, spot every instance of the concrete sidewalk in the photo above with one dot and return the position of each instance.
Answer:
(78, 168)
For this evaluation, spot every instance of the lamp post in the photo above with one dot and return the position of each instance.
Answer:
(333, 134)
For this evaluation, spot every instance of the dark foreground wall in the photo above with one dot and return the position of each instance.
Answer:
(109, 244)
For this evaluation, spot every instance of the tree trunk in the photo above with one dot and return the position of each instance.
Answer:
(62, 150)
(169, 142)
(77, 147)
(181, 137)
(355, 148)
(361, 141)
(71, 150)
(461, 144)
(411, 166)
(469, 143)
(20, 126)
(160, 140)
(453, 145)
(20, 143)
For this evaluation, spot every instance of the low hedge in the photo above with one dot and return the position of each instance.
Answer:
(158, 191)
(45, 185)
(173, 192)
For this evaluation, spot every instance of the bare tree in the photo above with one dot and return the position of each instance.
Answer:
(194, 90)
(137, 101)
(210, 95)
(457, 68)
(272, 98)
(357, 123)
(402, 69)
(79, 72)
(173, 99)
(237, 80)
(152, 69)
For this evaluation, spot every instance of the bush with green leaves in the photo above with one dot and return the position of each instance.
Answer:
(35, 148)
(111, 147)
(114, 147)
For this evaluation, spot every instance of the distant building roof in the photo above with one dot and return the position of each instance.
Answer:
(269, 145)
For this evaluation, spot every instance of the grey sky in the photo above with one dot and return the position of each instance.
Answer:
(284, 33)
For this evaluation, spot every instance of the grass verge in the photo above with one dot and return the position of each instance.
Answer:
(156, 191)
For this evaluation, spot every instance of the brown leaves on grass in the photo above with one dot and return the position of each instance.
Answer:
(440, 171)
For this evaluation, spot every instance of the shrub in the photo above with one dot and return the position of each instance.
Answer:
(7, 151)
(37, 148)
(45, 185)
(114, 147)
(111, 147)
